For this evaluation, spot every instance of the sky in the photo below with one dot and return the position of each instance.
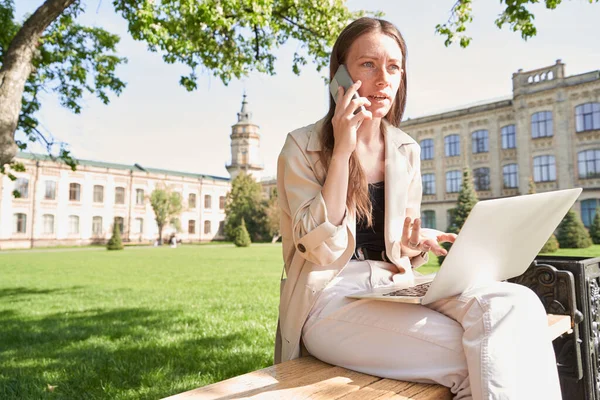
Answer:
(157, 123)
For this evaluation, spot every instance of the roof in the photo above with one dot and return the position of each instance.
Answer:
(134, 167)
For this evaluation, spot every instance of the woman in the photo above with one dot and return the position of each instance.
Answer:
(350, 191)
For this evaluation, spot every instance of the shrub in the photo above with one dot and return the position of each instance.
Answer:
(242, 237)
(551, 245)
(572, 234)
(115, 242)
(595, 228)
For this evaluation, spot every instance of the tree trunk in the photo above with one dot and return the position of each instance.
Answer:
(160, 229)
(16, 68)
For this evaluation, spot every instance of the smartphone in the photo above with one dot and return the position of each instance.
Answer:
(342, 78)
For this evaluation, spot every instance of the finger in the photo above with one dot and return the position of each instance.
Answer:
(416, 231)
(355, 106)
(447, 237)
(361, 116)
(405, 229)
(353, 89)
(437, 249)
(340, 94)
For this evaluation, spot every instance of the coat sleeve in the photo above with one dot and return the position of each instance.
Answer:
(415, 194)
(315, 238)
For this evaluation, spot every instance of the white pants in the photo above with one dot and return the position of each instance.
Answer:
(488, 343)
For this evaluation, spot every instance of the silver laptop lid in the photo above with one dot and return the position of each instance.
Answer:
(499, 240)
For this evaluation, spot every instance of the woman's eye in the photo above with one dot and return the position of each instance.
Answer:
(394, 67)
(368, 64)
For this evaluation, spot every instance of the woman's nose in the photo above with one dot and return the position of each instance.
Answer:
(382, 77)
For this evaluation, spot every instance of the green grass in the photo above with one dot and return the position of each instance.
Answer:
(142, 323)
(134, 324)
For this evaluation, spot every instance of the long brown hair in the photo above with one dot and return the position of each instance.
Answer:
(358, 188)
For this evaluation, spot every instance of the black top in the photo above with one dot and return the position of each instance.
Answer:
(373, 238)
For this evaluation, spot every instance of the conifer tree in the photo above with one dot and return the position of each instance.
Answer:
(115, 243)
(572, 234)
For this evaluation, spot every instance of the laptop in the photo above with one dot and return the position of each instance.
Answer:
(498, 241)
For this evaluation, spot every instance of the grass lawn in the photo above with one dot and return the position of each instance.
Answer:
(140, 323)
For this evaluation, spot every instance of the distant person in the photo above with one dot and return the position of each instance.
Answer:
(173, 241)
(350, 193)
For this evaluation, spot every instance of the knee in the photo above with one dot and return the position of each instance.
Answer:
(520, 298)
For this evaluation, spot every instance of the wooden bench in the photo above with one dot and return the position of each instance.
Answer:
(308, 377)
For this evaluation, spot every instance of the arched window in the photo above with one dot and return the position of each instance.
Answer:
(73, 224)
(428, 219)
(74, 192)
(119, 195)
(510, 175)
(427, 149)
(207, 228)
(588, 164)
(22, 187)
(587, 117)
(428, 183)
(20, 223)
(452, 145)
(481, 178)
(544, 169)
(509, 134)
(453, 181)
(480, 141)
(588, 211)
(541, 124)
(48, 221)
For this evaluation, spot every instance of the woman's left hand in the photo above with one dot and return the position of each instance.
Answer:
(414, 243)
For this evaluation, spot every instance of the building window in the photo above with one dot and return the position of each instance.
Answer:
(544, 169)
(510, 174)
(480, 141)
(120, 195)
(509, 137)
(120, 222)
(50, 191)
(20, 225)
(139, 197)
(97, 226)
(481, 179)
(428, 219)
(588, 163)
(48, 221)
(453, 179)
(541, 124)
(206, 226)
(192, 200)
(428, 184)
(452, 145)
(73, 224)
(98, 194)
(588, 211)
(587, 117)
(138, 225)
(222, 203)
(427, 149)
(74, 192)
(207, 201)
(191, 226)
(221, 231)
(22, 187)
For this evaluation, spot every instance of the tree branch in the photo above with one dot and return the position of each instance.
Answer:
(16, 68)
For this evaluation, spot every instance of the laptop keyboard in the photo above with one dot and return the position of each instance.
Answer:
(415, 291)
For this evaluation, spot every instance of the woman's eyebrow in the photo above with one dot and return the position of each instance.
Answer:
(373, 57)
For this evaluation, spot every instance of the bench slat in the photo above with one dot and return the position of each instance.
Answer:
(308, 377)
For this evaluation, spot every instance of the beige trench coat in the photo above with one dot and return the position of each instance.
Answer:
(314, 249)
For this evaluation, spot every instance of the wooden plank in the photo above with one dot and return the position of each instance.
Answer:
(558, 324)
(262, 378)
(389, 389)
(331, 383)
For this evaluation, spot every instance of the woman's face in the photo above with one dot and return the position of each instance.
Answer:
(376, 60)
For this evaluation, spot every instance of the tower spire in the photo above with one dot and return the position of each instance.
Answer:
(244, 115)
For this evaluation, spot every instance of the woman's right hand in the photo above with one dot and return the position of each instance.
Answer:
(345, 122)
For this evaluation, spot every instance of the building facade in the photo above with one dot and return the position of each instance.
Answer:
(58, 206)
(547, 131)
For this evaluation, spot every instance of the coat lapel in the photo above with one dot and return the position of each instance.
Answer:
(397, 180)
